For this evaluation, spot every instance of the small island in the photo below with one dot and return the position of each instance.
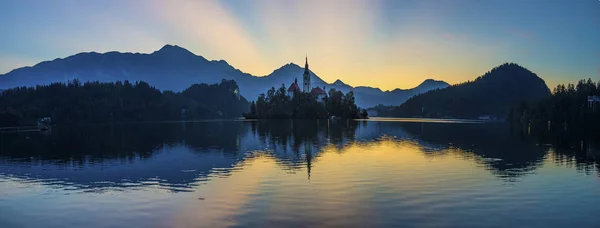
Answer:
(308, 103)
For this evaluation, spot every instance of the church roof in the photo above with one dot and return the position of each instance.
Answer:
(317, 91)
(294, 87)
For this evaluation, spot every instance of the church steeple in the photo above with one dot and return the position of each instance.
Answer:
(306, 78)
(306, 65)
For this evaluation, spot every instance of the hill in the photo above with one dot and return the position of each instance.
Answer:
(175, 68)
(492, 94)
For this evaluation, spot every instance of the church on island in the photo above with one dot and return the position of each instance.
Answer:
(306, 86)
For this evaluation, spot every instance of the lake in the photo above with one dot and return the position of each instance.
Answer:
(376, 173)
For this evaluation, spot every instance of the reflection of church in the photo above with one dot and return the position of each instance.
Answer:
(306, 86)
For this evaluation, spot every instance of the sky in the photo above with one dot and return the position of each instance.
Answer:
(381, 43)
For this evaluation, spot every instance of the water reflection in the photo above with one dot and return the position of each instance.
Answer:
(180, 156)
(299, 173)
(575, 148)
(168, 155)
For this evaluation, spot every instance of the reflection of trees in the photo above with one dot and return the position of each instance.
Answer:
(303, 138)
(119, 141)
(294, 133)
(91, 156)
(506, 155)
(139, 152)
(571, 148)
(99, 151)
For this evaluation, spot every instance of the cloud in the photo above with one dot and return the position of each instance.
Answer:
(208, 29)
(331, 32)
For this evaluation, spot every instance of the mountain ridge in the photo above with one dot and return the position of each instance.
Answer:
(175, 68)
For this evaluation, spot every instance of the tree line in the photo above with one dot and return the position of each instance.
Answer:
(566, 109)
(97, 102)
(277, 104)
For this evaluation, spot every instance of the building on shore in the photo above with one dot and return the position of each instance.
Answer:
(593, 101)
(294, 88)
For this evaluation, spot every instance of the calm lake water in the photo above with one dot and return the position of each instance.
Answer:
(377, 173)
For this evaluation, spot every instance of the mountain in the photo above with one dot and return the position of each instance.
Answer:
(428, 85)
(170, 68)
(175, 68)
(494, 94)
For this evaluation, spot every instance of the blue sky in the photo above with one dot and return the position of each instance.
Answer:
(387, 44)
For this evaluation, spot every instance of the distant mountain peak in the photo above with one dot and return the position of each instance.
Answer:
(291, 64)
(173, 50)
(339, 82)
(430, 81)
(287, 67)
(222, 62)
(169, 46)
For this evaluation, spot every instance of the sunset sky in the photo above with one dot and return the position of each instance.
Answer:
(386, 44)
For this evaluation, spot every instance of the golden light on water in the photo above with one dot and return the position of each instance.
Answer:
(336, 184)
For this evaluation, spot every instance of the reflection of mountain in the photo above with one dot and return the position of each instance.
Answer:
(177, 156)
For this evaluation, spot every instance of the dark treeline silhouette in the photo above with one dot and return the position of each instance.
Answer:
(493, 94)
(95, 102)
(277, 104)
(565, 112)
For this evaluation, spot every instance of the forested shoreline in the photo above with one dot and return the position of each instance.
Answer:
(565, 111)
(277, 104)
(100, 102)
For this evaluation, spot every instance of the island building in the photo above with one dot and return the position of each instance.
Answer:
(593, 101)
(306, 86)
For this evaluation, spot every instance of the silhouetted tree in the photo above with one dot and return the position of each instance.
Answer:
(566, 110)
(278, 105)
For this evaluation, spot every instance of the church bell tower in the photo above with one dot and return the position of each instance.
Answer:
(306, 78)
